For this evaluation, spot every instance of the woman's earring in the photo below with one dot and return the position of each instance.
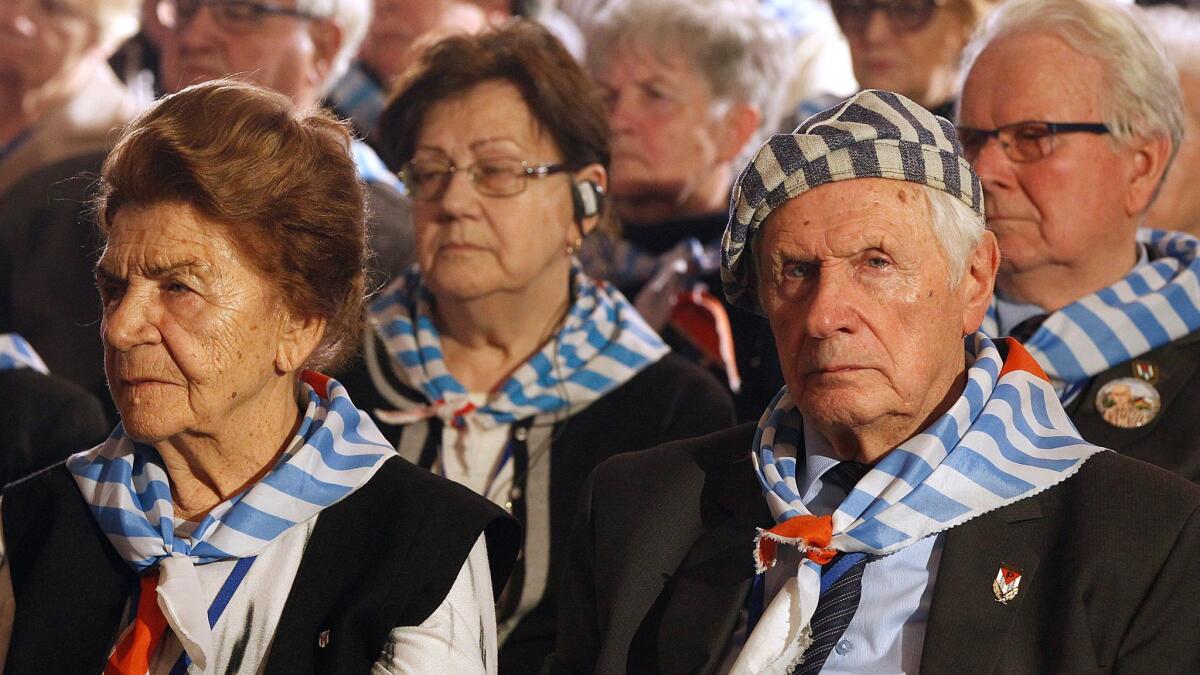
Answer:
(574, 246)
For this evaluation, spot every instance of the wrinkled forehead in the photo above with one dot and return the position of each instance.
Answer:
(841, 218)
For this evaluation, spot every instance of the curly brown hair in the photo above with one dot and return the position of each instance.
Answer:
(282, 182)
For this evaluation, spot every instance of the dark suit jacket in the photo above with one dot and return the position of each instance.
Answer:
(42, 420)
(1172, 439)
(661, 565)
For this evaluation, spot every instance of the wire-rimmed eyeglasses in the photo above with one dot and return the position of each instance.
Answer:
(427, 179)
(232, 15)
(1023, 141)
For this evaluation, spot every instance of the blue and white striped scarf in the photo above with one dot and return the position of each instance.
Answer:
(1005, 439)
(602, 343)
(1155, 304)
(16, 352)
(336, 450)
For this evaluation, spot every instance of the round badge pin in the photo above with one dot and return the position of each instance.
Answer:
(1128, 402)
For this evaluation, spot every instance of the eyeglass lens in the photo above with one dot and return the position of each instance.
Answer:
(852, 15)
(428, 179)
(1026, 142)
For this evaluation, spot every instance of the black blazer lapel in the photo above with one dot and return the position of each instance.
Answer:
(967, 624)
(700, 606)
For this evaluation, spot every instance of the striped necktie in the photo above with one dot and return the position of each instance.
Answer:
(834, 610)
(841, 584)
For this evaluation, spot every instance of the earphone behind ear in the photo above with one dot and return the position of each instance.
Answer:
(588, 198)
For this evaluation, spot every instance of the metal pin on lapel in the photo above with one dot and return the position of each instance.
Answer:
(323, 639)
(1007, 584)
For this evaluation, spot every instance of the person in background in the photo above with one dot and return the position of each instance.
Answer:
(60, 106)
(1177, 206)
(689, 86)
(911, 47)
(299, 48)
(398, 31)
(1071, 148)
(496, 360)
(42, 418)
(244, 516)
(915, 499)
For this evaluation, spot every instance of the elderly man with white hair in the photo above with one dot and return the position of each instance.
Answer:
(299, 48)
(1070, 113)
(690, 86)
(915, 498)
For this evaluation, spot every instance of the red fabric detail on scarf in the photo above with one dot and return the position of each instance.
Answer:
(815, 531)
(1019, 359)
(701, 318)
(132, 655)
(317, 381)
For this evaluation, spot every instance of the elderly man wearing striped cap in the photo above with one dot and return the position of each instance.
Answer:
(1071, 147)
(915, 498)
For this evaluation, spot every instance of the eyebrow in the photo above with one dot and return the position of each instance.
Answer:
(190, 266)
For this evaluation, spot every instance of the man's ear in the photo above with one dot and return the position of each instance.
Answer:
(301, 335)
(978, 282)
(738, 125)
(1149, 159)
(596, 174)
(326, 36)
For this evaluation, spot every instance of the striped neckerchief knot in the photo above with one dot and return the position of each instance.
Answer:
(602, 344)
(1005, 438)
(335, 451)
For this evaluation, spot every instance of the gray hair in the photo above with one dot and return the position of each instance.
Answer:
(353, 17)
(742, 54)
(1179, 30)
(957, 229)
(1141, 96)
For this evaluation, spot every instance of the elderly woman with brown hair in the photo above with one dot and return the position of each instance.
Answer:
(245, 516)
(496, 361)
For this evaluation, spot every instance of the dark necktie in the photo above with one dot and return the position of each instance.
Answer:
(1025, 330)
(841, 585)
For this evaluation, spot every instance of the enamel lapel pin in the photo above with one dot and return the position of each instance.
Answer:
(1007, 584)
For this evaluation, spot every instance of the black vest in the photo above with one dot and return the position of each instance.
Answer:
(385, 556)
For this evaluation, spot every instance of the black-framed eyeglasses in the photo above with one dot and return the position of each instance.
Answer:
(232, 15)
(427, 179)
(852, 15)
(1023, 141)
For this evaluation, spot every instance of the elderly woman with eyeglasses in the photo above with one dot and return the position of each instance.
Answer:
(911, 47)
(496, 361)
(59, 104)
(245, 516)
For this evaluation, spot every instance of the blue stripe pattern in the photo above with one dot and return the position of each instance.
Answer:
(16, 352)
(336, 450)
(602, 344)
(1155, 304)
(1005, 439)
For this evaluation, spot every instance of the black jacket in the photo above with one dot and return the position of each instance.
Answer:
(43, 419)
(661, 564)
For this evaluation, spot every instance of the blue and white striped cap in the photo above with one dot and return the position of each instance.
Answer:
(873, 134)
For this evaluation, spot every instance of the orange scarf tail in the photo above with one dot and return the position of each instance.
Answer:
(133, 653)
